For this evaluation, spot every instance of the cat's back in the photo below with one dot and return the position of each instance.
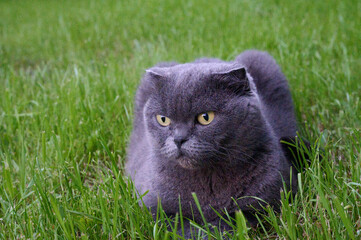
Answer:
(272, 87)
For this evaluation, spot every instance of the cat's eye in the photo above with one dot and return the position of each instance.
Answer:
(205, 118)
(163, 120)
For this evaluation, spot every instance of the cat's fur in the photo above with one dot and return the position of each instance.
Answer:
(239, 154)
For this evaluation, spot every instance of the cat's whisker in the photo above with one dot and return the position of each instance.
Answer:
(237, 151)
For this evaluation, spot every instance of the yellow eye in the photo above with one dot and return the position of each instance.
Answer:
(163, 120)
(205, 118)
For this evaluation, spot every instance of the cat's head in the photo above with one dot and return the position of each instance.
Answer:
(200, 115)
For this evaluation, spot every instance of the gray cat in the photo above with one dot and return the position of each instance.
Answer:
(214, 128)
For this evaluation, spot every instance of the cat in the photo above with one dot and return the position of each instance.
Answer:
(214, 128)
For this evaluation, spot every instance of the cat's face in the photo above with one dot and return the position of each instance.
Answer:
(198, 115)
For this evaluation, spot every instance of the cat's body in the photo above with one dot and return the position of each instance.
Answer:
(238, 154)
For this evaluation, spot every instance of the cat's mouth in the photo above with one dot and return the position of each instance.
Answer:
(181, 153)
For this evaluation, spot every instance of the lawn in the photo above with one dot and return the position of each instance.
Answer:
(68, 74)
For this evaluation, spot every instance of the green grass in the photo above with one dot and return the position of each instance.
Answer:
(68, 74)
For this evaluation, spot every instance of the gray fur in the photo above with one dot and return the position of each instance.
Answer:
(239, 154)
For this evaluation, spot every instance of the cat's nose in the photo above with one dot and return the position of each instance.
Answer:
(179, 140)
(180, 135)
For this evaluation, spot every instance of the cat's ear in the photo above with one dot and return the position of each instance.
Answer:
(157, 76)
(235, 78)
(156, 72)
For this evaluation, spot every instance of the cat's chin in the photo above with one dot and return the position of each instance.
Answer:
(187, 163)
